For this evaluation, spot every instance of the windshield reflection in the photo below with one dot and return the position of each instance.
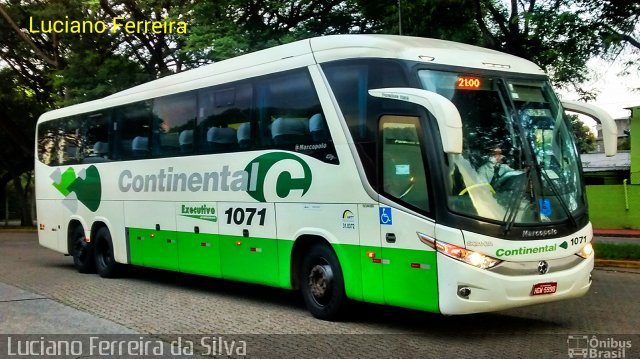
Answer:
(519, 163)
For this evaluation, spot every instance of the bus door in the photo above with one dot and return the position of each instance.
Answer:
(248, 244)
(198, 247)
(151, 232)
(408, 266)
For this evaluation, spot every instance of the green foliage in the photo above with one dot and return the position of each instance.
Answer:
(450, 20)
(617, 251)
(585, 139)
(90, 75)
(19, 110)
(625, 145)
(225, 29)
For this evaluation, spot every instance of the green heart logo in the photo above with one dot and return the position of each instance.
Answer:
(88, 190)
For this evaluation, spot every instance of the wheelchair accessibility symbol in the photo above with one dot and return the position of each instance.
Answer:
(385, 215)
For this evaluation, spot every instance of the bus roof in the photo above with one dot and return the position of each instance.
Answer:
(308, 52)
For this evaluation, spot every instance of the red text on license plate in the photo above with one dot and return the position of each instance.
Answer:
(544, 288)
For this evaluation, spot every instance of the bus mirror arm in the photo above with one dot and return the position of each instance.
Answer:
(609, 128)
(440, 107)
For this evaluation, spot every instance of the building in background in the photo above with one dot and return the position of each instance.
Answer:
(623, 124)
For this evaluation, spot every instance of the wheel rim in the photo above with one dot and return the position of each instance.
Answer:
(321, 282)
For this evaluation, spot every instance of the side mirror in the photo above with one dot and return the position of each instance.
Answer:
(443, 110)
(609, 128)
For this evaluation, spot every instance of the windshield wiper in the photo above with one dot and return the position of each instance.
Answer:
(514, 206)
(555, 191)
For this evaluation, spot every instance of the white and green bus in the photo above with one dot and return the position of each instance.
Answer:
(405, 171)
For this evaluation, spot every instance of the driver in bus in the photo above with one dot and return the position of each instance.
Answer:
(495, 168)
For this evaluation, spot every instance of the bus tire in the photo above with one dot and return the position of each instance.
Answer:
(105, 261)
(322, 283)
(81, 251)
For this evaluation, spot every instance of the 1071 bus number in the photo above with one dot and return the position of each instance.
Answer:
(245, 215)
(578, 240)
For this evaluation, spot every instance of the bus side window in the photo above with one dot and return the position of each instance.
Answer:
(96, 138)
(223, 111)
(47, 142)
(173, 124)
(290, 116)
(60, 141)
(133, 133)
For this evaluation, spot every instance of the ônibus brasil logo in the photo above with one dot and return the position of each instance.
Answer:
(251, 179)
(85, 185)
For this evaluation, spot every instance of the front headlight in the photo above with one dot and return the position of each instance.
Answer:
(586, 251)
(475, 259)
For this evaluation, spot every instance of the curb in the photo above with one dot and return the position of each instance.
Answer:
(603, 232)
(617, 263)
(18, 229)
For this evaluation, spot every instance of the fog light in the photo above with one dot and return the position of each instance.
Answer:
(464, 292)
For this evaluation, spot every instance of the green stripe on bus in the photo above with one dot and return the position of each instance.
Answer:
(411, 279)
(401, 277)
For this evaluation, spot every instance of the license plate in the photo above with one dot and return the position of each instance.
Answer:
(544, 288)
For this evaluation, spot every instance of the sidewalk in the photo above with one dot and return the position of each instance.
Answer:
(24, 312)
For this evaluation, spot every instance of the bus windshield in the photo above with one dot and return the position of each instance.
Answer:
(519, 163)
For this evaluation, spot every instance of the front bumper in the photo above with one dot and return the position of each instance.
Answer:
(492, 291)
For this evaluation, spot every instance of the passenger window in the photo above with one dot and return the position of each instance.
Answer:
(403, 166)
(173, 125)
(290, 116)
(133, 123)
(47, 135)
(224, 118)
(60, 141)
(96, 146)
(350, 80)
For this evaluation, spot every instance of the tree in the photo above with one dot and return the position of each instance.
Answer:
(585, 139)
(548, 33)
(225, 29)
(448, 20)
(19, 110)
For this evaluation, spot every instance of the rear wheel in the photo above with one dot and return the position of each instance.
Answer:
(322, 283)
(105, 261)
(81, 251)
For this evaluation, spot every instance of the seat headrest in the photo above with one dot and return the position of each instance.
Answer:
(186, 137)
(221, 135)
(244, 131)
(140, 143)
(100, 148)
(317, 123)
(289, 126)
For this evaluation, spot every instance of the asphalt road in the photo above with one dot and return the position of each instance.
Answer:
(274, 323)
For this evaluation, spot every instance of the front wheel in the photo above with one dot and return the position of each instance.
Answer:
(322, 283)
(106, 265)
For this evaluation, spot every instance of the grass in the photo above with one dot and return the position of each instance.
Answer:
(617, 251)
